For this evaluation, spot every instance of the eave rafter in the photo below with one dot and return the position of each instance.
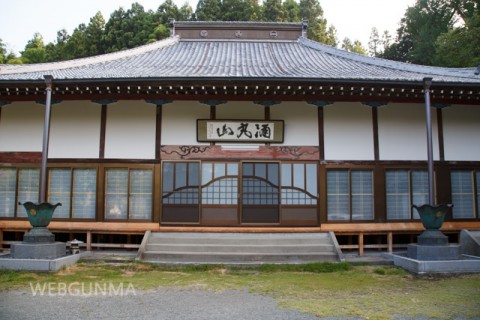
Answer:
(302, 90)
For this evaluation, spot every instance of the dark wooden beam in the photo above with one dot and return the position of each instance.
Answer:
(158, 131)
(376, 149)
(103, 129)
(441, 145)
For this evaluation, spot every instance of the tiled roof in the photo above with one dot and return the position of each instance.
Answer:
(175, 58)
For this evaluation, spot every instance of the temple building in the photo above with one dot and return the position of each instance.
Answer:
(240, 127)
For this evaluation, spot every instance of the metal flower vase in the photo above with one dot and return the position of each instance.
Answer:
(39, 215)
(432, 218)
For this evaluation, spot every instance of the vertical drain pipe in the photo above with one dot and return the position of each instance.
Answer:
(46, 134)
(427, 82)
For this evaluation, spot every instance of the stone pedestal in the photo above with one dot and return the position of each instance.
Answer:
(432, 245)
(433, 253)
(39, 235)
(46, 250)
(432, 238)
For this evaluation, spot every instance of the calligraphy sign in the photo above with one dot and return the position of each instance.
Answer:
(240, 131)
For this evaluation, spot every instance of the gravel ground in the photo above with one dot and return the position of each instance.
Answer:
(163, 303)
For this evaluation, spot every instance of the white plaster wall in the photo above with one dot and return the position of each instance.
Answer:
(240, 110)
(21, 127)
(75, 130)
(402, 132)
(300, 120)
(461, 133)
(179, 122)
(348, 132)
(130, 130)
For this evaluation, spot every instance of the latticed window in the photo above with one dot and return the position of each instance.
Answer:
(405, 188)
(8, 187)
(180, 182)
(28, 187)
(84, 193)
(260, 184)
(349, 195)
(220, 183)
(465, 186)
(299, 184)
(128, 193)
(75, 189)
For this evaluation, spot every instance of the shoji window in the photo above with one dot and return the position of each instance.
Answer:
(349, 195)
(219, 183)
(18, 185)
(75, 189)
(59, 190)
(180, 183)
(299, 184)
(8, 188)
(28, 187)
(84, 193)
(404, 188)
(128, 193)
(464, 193)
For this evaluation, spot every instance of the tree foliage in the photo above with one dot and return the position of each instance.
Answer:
(355, 46)
(3, 52)
(432, 32)
(437, 32)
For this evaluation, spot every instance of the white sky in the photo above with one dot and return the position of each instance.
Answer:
(20, 19)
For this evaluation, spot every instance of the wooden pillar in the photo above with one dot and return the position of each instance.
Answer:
(390, 242)
(89, 241)
(103, 128)
(103, 125)
(266, 112)
(321, 127)
(441, 146)
(375, 105)
(213, 109)
(360, 244)
(1, 240)
(158, 125)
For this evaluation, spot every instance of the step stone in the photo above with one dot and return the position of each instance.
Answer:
(239, 248)
(194, 257)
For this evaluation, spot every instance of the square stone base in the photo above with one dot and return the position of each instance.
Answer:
(432, 238)
(433, 253)
(49, 265)
(464, 265)
(26, 250)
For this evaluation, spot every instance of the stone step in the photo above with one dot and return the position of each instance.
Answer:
(239, 239)
(222, 235)
(226, 248)
(236, 258)
(238, 248)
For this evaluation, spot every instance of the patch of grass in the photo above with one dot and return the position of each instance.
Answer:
(325, 290)
(326, 267)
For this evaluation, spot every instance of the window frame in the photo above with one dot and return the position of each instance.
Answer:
(316, 197)
(72, 182)
(475, 181)
(410, 171)
(128, 194)
(349, 169)
(235, 197)
(17, 168)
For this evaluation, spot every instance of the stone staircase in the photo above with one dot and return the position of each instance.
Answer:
(238, 248)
